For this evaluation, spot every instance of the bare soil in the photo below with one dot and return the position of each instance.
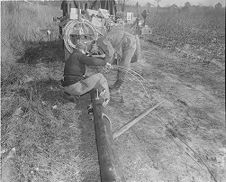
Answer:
(183, 140)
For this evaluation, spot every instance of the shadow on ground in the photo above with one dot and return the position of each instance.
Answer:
(43, 51)
(88, 144)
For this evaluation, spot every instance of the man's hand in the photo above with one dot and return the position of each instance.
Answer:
(108, 66)
(94, 48)
(81, 47)
(99, 56)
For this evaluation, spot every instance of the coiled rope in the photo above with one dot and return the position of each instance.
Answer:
(134, 74)
(84, 27)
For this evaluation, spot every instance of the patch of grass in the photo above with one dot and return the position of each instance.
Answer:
(22, 23)
(45, 52)
(46, 139)
(41, 138)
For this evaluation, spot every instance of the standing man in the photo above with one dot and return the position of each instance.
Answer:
(144, 15)
(65, 8)
(76, 83)
(64, 19)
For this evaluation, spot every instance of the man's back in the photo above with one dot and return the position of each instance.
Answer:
(75, 65)
(115, 36)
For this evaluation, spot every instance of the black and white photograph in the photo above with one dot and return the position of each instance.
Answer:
(113, 91)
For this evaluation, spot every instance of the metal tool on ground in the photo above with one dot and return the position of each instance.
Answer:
(128, 125)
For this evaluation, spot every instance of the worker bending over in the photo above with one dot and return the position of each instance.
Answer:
(124, 44)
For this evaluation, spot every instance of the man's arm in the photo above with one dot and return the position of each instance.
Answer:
(110, 51)
(99, 56)
(91, 61)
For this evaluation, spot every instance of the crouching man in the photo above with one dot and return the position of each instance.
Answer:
(76, 83)
(124, 44)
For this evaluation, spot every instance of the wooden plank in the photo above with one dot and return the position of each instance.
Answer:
(128, 125)
(108, 162)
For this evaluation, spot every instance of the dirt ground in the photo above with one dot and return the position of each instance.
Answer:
(183, 140)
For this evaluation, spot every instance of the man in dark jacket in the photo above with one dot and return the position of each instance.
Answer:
(144, 15)
(75, 81)
(65, 7)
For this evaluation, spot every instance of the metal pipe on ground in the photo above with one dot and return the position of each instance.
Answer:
(108, 161)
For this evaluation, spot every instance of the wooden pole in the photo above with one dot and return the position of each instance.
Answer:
(79, 8)
(108, 161)
(128, 125)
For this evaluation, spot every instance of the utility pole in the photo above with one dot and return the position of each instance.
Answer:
(110, 168)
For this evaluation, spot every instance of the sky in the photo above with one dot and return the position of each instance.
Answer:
(179, 2)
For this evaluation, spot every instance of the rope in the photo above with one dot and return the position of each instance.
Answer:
(83, 25)
(133, 73)
(104, 115)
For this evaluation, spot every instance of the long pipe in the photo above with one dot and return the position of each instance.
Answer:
(109, 164)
